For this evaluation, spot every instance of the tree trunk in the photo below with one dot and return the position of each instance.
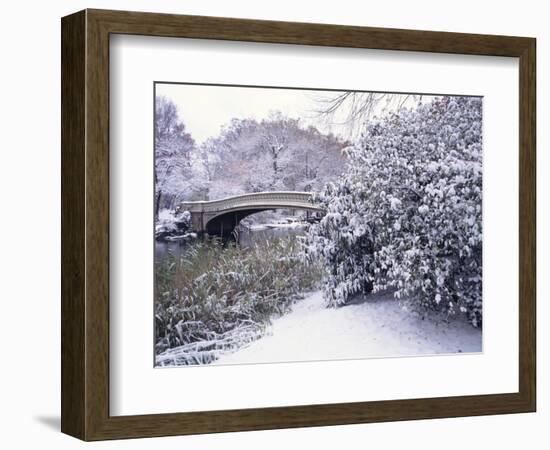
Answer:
(157, 205)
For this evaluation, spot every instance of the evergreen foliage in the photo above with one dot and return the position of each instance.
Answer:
(406, 214)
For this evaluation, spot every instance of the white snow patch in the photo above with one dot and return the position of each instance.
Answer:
(182, 237)
(286, 225)
(377, 327)
(258, 227)
(265, 226)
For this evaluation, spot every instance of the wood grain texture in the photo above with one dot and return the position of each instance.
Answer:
(527, 223)
(201, 27)
(85, 224)
(73, 108)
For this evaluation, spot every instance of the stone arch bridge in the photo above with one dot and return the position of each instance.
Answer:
(220, 217)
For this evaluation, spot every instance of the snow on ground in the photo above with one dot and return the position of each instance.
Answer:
(377, 327)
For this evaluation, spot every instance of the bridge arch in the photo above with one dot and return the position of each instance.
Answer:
(220, 217)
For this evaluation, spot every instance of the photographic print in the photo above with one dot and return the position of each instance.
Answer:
(301, 224)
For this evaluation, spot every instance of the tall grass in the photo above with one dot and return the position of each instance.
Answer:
(215, 298)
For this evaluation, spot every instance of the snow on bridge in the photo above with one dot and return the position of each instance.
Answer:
(220, 217)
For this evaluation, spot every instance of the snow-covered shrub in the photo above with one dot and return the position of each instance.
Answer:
(170, 223)
(406, 214)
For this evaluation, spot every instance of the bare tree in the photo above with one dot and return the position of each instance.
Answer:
(354, 109)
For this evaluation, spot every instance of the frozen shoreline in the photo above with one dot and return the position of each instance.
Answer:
(266, 226)
(377, 327)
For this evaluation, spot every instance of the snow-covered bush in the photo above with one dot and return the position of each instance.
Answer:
(406, 214)
(170, 223)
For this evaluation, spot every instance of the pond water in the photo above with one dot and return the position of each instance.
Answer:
(246, 237)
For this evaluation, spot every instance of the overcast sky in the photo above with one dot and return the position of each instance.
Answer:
(205, 109)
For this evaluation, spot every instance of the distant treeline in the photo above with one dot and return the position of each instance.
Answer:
(277, 153)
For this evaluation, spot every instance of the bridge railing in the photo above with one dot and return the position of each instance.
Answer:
(282, 197)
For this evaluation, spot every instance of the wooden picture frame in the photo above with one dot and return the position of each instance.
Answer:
(85, 224)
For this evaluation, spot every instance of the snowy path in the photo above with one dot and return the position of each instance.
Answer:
(374, 328)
